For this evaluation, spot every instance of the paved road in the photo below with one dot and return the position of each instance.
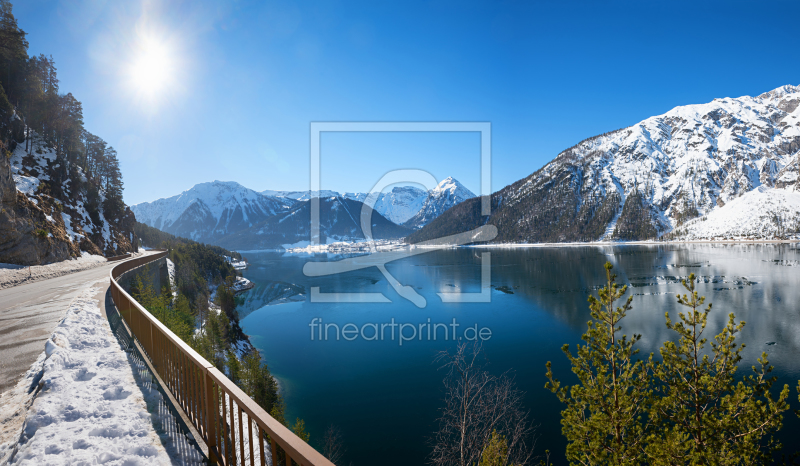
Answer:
(29, 313)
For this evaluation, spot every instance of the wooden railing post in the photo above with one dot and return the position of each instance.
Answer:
(150, 339)
(212, 411)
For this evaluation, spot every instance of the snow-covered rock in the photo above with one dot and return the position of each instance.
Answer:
(26, 184)
(41, 223)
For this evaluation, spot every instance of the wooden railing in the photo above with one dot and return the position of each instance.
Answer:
(235, 429)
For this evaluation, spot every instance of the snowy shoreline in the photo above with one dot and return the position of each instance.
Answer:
(630, 243)
(299, 252)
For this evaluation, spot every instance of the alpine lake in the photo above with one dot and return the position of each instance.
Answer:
(384, 394)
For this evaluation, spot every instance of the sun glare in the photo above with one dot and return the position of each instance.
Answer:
(151, 68)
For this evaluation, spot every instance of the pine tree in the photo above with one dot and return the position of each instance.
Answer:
(703, 415)
(278, 411)
(495, 453)
(234, 367)
(605, 419)
(257, 381)
(299, 430)
(113, 204)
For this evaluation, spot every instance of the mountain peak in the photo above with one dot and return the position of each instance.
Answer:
(780, 91)
(453, 186)
(448, 193)
(223, 184)
(447, 181)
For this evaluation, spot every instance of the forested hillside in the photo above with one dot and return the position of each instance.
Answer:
(154, 238)
(60, 185)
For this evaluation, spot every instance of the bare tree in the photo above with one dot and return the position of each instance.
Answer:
(333, 448)
(477, 403)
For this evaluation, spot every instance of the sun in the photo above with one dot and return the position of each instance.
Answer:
(151, 68)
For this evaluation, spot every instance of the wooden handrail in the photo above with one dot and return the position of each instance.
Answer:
(216, 407)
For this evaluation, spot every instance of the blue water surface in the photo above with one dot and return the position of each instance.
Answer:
(384, 396)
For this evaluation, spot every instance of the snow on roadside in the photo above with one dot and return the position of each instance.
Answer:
(12, 274)
(14, 405)
(89, 408)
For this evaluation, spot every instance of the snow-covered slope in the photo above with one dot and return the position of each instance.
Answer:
(761, 213)
(680, 165)
(42, 223)
(299, 195)
(209, 211)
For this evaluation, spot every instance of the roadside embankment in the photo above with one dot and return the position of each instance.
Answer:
(13, 275)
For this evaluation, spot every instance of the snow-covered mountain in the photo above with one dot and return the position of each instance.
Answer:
(654, 177)
(339, 217)
(445, 195)
(209, 211)
(404, 205)
(398, 205)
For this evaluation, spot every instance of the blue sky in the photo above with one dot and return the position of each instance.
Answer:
(239, 82)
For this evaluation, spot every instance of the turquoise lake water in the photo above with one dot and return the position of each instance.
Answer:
(384, 396)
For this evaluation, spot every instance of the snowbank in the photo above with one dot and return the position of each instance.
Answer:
(90, 409)
(11, 274)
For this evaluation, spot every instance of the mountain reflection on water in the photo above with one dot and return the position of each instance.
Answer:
(266, 293)
(385, 397)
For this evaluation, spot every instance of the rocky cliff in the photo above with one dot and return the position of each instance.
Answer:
(37, 228)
